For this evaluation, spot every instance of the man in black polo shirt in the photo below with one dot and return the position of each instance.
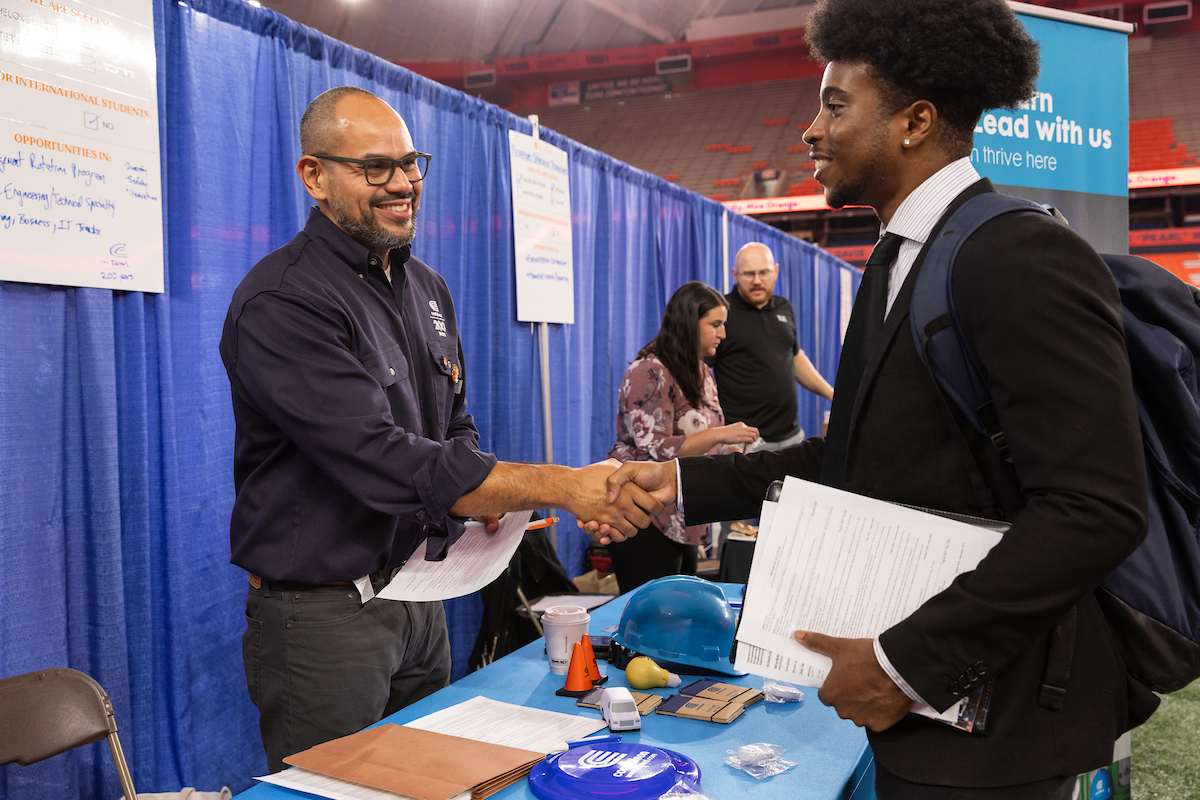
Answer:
(353, 444)
(760, 357)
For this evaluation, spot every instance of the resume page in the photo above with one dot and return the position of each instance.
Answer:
(844, 565)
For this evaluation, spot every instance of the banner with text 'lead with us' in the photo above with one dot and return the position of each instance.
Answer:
(1068, 145)
(80, 184)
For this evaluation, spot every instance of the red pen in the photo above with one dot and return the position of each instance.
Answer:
(541, 523)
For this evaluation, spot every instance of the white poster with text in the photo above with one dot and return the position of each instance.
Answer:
(80, 185)
(541, 198)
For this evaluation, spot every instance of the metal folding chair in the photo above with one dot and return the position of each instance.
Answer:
(51, 711)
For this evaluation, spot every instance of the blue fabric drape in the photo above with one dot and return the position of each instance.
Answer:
(115, 425)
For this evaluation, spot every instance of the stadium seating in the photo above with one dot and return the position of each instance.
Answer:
(1152, 146)
(702, 136)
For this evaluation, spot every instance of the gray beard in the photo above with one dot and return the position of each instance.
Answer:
(369, 232)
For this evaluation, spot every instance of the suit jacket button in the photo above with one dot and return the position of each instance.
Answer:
(954, 690)
(980, 668)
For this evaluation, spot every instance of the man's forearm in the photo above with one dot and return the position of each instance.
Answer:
(808, 377)
(517, 487)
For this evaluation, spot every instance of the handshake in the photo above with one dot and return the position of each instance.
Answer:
(621, 504)
(611, 501)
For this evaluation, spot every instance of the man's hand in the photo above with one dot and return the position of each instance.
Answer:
(656, 477)
(491, 522)
(613, 518)
(857, 687)
(634, 481)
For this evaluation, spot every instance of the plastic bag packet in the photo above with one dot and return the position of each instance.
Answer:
(780, 692)
(685, 790)
(759, 760)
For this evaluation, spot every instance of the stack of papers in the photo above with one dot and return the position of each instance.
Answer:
(844, 565)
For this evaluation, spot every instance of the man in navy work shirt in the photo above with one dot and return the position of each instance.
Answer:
(353, 443)
(760, 358)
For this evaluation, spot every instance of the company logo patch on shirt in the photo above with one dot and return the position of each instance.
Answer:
(439, 322)
(782, 318)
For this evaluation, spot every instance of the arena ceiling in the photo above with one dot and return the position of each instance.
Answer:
(484, 30)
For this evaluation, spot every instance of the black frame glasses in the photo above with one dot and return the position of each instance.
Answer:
(414, 162)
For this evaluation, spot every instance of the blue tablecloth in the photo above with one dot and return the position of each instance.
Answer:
(834, 761)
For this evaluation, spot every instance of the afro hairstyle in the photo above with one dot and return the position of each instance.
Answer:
(964, 56)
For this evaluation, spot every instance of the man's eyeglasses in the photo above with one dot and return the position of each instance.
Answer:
(380, 169)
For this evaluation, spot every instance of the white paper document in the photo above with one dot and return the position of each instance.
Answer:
(471, 563)
(506, 724)
(843, 565)
(480, 719)
(305, 780)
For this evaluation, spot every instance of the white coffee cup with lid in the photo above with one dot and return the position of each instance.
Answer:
(564, 626)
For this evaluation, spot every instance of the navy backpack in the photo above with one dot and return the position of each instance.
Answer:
(1152, 600)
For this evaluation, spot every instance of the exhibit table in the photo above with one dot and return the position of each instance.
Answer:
(833, 759)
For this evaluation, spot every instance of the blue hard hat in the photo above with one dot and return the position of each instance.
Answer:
(681, 620)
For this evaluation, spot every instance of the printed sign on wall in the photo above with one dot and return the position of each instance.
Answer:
(564, 94)
(80, 188)
(541, 200)
(614, 88)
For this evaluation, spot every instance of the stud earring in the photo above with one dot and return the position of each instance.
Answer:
(906, 142)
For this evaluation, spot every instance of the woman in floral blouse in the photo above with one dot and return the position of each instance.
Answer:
(667, 408)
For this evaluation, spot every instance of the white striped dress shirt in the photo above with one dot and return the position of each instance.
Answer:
(917, 215)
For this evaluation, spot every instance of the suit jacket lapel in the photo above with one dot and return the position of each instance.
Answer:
(897, 320)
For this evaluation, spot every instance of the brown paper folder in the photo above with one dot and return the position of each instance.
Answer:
(419, 764)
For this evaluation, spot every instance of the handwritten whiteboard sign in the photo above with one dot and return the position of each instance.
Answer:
(541, 200)
(80, 185)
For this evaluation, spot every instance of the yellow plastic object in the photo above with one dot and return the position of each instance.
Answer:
(644, 673)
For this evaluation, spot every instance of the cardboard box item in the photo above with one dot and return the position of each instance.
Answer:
(682, 705)
(420, 764)
(723, 692)
(645, 702)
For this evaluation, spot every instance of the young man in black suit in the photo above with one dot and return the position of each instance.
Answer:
(904, 86)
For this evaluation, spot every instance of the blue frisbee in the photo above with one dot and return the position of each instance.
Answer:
(626, 770)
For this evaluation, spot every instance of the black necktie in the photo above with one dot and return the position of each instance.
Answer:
(866, 321)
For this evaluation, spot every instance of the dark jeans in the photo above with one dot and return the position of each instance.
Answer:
(320, 664)
(890, 787)
(650, 555)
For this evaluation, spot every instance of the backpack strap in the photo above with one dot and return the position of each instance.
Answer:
(937, 335)
(942, 346)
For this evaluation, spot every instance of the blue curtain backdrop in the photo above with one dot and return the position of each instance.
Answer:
(115, 426)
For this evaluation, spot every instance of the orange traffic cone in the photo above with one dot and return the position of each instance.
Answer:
(592, 667)
(578, 682)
